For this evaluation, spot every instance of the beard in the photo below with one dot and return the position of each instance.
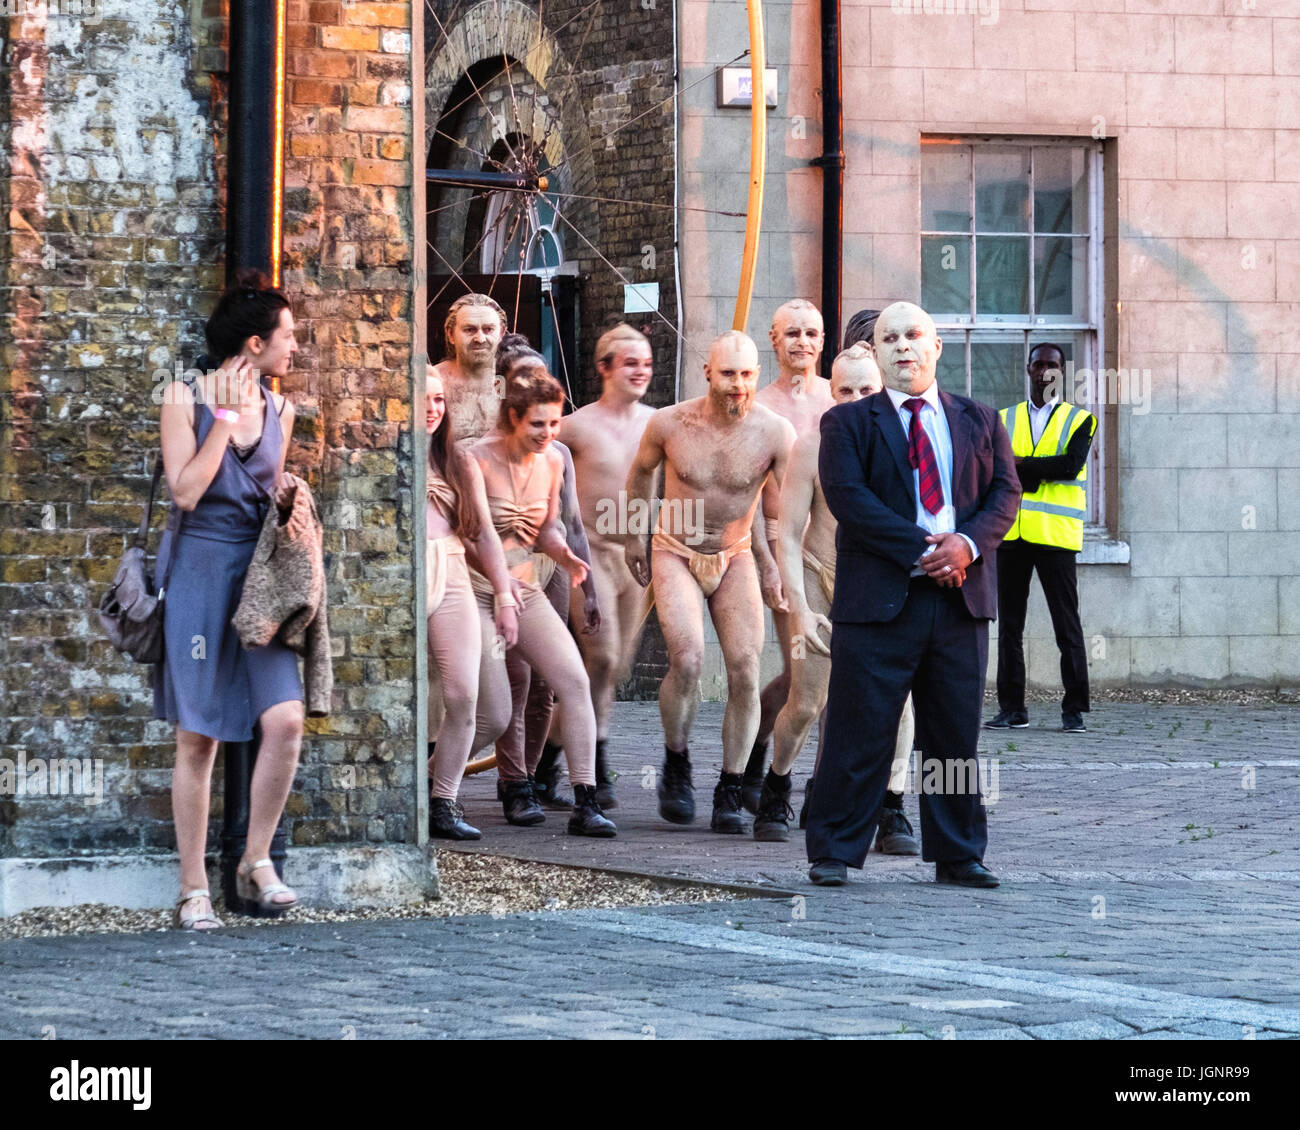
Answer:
(737, 410)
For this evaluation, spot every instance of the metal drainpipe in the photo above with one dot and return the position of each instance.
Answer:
(831, 162)
(250, 203)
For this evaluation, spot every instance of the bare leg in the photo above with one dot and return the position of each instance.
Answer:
(191, 792)
(810, 675)
(737, 611)
(680, 606)
(602, 652)
(277, 761)
(774, 695)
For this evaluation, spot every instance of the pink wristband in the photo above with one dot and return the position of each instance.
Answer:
(227, 414)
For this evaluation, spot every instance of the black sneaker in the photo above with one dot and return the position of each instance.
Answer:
(605, 778)
(1008, 720)
(728, 808)
(807, 802)
(894, 834)
(772, 824)
(546, 779)
(1072, 722)
(676, 793)
(446, 821)
(520, 804)
(587, 819)
(751, 788)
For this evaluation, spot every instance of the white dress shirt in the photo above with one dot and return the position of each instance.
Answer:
(1038, 418)
(934, 422)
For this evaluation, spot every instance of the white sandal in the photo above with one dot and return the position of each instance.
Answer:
(249, 891)
(208, 921)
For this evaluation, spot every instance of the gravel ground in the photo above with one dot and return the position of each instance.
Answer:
(470, 884)
(1169, 696)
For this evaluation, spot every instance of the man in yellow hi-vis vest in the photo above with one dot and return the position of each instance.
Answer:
(1050, 441)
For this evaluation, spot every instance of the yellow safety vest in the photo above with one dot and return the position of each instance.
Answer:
(1053, 514)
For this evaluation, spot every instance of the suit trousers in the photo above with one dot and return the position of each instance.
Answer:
(936, 650)
(1017, 562)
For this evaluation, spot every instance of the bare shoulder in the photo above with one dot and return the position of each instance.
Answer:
(773, 424)
(804, 453)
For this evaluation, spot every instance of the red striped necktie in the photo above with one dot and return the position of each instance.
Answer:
(920, 455)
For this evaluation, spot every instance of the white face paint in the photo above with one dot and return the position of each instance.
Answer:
(907, 348)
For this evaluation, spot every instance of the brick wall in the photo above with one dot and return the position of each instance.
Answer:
(112, 137)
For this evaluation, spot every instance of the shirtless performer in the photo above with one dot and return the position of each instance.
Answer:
(718, 451)
(603, 438)
(805, 551)
(801, 396)
(473, 330)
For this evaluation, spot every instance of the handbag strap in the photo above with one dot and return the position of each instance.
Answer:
(142, 534)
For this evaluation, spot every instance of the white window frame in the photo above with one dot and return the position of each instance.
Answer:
(1093, 329)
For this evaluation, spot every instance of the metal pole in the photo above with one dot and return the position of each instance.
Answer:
(831, 162)
(252, 223)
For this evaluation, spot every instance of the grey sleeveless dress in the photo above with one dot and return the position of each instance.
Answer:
(208, 682)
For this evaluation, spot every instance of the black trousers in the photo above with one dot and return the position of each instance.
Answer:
(1017, 561)
(938, 651)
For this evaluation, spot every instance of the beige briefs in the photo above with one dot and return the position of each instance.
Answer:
(708, 569)
(826, 576)
(436, 552)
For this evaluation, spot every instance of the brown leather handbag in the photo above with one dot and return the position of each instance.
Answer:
(131, 612)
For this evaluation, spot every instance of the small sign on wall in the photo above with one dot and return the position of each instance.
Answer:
(736, 86)
(640, 298)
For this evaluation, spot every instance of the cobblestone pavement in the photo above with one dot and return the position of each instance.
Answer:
(1149, 891)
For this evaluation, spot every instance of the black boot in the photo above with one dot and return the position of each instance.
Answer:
(587, 819)
(447, 823)
(807, 802)
(772, 825)
(605, 777)
(520, 803)
(728, 811)
(676, 793)
(547, 778)
(752, 787)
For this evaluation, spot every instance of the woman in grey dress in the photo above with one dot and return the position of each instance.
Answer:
(224, 440)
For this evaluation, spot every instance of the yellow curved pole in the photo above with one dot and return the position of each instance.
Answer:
(757, 163)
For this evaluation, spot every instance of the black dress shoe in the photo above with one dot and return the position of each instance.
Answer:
(605, 777)
(894, 835)
(772, 824)
(676, 793)
(967, 873)
(520, 804)
(728, 808)
(828, 873)
(1072, 722)
(587, 819)
(546, 779)
(751, 789)
(807, 802)
(1008, 720)
(446, 821)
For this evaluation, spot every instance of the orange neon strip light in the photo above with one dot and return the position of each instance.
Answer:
(277, 157)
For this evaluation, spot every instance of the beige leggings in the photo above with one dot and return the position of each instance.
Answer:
(546, 647)
(810, 676)
(454, 645)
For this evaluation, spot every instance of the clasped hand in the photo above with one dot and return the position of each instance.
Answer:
(947, 562)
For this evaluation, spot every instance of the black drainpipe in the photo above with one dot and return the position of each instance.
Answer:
(249, 202)
(831, 162)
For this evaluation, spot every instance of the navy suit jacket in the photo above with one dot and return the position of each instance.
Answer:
(868, 486)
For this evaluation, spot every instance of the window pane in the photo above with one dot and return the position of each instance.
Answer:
(1002, 190)
(951, 370)
(1002, 275)
(997, 369)
(1061, 278)
(945, 187)
(1060, 190)
(945, 274)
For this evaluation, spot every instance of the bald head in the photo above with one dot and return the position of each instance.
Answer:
(907, 348)
(797, 336)
(732, 372)
(854, 374)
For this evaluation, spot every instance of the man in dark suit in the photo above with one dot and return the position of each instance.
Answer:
(924, 486)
